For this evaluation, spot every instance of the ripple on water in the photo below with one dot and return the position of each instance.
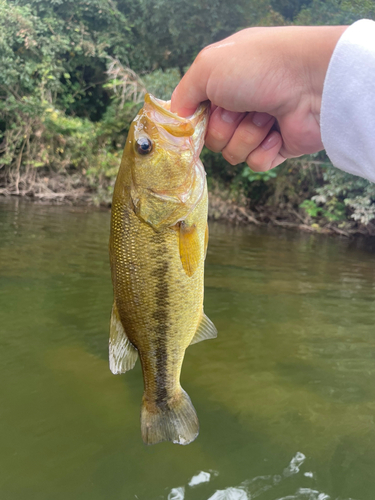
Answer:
(261, 487)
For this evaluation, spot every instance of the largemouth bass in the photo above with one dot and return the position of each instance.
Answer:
(158, 245)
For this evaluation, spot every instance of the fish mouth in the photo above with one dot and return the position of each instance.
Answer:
(159, 111)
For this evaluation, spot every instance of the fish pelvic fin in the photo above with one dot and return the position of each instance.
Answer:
(206, 330)
(175, 421)
(122, 354)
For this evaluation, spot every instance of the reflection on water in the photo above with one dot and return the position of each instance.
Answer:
(285, 395)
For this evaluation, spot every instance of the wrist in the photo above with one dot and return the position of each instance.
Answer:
(320, 46)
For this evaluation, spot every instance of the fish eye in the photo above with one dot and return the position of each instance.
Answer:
(143, 146)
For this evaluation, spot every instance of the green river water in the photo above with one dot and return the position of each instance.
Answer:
(285, 395)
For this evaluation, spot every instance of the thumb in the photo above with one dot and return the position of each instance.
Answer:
(191, 90)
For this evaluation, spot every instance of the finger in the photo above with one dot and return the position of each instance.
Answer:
(249, 134)
(212, 108)
(221, 127)
(267, 155)
(191, 90)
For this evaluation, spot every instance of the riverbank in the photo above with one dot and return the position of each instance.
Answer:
(224, 209)
(80, 189)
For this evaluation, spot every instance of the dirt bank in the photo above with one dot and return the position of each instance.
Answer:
(79, 189)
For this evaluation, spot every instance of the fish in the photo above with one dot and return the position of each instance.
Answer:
(158, 245)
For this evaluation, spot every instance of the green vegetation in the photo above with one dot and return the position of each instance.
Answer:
(73, 75)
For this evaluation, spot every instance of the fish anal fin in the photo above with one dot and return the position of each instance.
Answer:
(122, 354)
(206, 330)
(189, 248)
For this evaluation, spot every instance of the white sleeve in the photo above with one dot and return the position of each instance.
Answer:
(348, 104)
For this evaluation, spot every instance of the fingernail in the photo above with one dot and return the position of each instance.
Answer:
(183, 112)
(228, 116)
(271, 141)
(261, 119)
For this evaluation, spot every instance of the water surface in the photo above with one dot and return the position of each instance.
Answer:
(285, 395)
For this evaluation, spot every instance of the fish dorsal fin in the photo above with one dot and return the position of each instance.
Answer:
(122, 354)
(206, 330)
(189, 248)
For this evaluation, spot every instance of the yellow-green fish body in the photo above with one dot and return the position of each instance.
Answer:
(158, 244)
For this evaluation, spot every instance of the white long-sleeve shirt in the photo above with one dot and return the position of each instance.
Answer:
(348, 104)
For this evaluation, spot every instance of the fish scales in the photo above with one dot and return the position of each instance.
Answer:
(157, 299)
(158, 287)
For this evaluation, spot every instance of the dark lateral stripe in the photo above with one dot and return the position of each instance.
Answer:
(161, 328)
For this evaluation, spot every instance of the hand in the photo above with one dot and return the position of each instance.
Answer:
(265, 86)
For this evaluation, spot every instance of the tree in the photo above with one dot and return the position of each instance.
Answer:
(81, 34)
(170, 33)
(289, 8)
(329, 12)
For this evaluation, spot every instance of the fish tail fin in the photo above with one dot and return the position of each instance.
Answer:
(175, 421)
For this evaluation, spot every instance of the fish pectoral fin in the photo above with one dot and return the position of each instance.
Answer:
(122, 354)
(189, 248)
(205, 241)
(206, 330)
